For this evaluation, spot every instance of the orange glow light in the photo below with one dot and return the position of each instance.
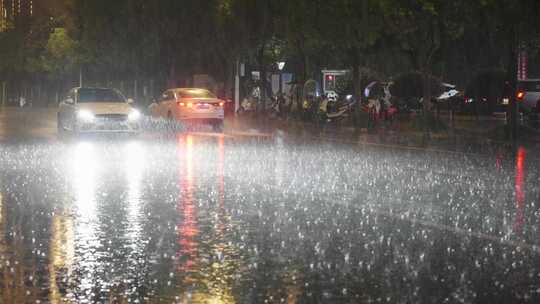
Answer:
(520, 190)
(190, 105)
(520, 95)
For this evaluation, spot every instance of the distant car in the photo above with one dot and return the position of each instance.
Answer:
(190, 106)
(528, 95)
(94, 110)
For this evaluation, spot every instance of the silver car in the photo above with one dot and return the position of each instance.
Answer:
(190, 106)
(96, 110)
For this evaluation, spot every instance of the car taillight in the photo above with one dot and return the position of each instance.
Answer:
(190, 105)
(221, 104)
(181, 104)
(520, 95)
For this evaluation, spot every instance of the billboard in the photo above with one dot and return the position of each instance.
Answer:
(522, 64)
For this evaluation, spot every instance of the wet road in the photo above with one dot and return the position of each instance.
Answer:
(204, 218)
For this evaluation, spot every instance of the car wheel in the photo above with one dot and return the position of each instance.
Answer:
(60, 125)
(170, 121)
(218, 127)
(74, 129)
(70, 125)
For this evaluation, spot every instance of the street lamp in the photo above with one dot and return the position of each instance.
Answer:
(280, 65)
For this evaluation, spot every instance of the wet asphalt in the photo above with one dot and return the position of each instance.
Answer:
(261, 217)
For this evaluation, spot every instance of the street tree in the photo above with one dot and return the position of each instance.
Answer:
(416, 27)
(60, 57)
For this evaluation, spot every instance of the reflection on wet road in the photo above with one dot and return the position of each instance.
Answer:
(213, 219)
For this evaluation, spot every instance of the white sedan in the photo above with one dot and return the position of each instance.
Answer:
(95, 110)
(190, 106)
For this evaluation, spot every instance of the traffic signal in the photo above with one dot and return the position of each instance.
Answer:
(520, 95)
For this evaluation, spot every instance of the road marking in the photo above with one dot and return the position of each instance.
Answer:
(403, 217)
(250, 134)
(460, 231)
(456, 230)
(402, 147)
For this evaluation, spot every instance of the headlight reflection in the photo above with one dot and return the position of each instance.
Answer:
(84, 178)
(134, 166)
(85, 169)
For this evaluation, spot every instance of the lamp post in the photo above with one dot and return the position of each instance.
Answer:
(3, 94)
(236, 87)
(280, 66)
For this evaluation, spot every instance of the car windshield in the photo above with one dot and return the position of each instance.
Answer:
(99, 95)
(530, 86)
(195, 93)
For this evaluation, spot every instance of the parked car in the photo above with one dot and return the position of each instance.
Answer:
(94, 110)
(528, 95)
(190, 106)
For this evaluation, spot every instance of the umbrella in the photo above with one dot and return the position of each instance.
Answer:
(369, 87)
(448, 94)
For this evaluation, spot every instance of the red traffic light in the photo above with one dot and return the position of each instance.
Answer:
(329, 77)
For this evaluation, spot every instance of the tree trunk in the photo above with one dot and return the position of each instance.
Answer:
(357, 89)
(172, 76)
(262, 82)
(228, 81)
(426, 104)
(302, 69)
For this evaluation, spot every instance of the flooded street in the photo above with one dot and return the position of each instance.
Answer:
(269, 152)
(203, 218)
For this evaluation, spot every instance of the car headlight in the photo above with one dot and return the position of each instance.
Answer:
(85, 115)
(134, 115)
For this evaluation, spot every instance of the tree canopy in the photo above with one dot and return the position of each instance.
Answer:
(174, 39)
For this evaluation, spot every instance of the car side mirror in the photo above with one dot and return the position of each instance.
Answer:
(130, 100)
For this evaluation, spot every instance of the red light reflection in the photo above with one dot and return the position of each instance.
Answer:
(520, 190)
(188, 231)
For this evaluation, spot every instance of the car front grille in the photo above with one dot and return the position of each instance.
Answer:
(112, 117)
